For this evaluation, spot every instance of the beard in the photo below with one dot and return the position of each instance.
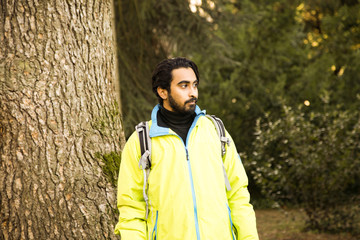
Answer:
(183, 109)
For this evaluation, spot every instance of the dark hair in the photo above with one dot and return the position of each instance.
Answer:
(162, 75)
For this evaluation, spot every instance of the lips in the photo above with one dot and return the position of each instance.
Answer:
(191, 101)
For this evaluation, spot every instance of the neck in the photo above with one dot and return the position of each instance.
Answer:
(170, 117)
(180, 123)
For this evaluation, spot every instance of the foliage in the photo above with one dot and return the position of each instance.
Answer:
(110, 164)
(272, 50)
(255, 67)
(312, 159)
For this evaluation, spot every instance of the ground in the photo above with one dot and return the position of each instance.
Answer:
(279, 224)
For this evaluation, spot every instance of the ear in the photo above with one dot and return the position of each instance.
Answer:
(163, 93)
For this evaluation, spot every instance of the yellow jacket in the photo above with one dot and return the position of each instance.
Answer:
(187, 194)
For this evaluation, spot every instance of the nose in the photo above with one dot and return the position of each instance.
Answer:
(193, 91)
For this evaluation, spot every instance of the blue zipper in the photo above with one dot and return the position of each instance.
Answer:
(191, 179)
(156, 131)
(231, 223)
(155, 227)
(194, 197)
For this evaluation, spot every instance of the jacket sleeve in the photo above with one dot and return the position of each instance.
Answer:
(242, 212)
(130, 200)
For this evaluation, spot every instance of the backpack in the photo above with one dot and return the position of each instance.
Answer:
(142, 130)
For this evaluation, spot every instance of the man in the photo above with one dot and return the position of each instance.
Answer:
(186, 185)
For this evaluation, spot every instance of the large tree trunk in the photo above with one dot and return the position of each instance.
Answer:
(58, 116)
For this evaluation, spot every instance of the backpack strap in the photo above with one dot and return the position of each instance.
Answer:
(219, 125)
(142, 130)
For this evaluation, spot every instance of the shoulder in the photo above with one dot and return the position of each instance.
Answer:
(207, 122)
(212, 120)
(132, 142)
(217, 124)
(134, 137)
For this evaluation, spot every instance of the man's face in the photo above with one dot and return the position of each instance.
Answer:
(183, 93)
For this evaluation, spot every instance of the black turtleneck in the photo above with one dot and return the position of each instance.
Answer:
(178, 122)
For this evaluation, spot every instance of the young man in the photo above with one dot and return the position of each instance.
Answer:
(188, 197)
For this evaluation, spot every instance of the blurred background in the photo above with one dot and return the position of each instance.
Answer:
(284, 76)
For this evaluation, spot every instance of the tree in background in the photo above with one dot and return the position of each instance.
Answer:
(333, 42)
(59, 120)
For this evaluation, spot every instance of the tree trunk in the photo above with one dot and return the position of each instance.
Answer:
(59, 117)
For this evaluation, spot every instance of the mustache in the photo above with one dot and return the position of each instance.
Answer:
(192, 100)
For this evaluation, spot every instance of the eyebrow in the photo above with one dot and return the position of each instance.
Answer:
(186, 81)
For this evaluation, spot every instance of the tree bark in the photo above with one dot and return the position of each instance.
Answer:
(58, 114)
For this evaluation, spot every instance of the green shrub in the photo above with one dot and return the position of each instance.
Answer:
(311, 159)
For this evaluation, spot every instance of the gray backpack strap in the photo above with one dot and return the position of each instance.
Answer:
(142, 130)
(219, 125)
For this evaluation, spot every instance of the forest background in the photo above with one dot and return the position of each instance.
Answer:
(284, 76)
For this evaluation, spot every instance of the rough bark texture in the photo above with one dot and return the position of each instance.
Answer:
(58, 114)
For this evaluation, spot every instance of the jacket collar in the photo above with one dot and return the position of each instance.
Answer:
(156, 130)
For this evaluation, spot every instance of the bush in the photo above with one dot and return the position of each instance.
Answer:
(311, 159)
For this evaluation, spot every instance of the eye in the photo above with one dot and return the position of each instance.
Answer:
(183, 85)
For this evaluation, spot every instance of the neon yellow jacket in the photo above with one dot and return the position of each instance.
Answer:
(187, 195)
